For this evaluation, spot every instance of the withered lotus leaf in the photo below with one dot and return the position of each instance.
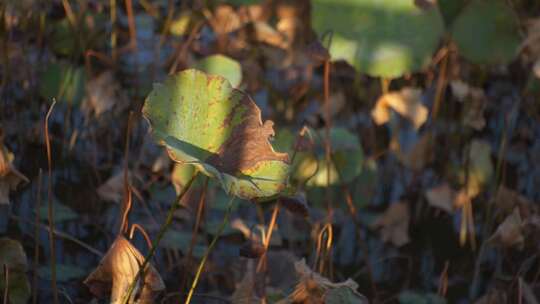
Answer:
(118, 268)
(10, 177)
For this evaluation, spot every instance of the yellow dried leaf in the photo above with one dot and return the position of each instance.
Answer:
(406, 102)
(225, 20)
(480, 168)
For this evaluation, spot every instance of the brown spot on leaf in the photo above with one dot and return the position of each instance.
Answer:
(248, 143)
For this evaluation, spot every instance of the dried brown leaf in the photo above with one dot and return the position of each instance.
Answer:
(493, 297)
(118, 268)
(10, 177)
(113, 189)
(104, 94)
(510, 232)
(506, 200)
(394, 224)
(296, 204)
(313, 287)
(474, 101)
(225, 20)
(527, 292)
(442, 197)
(418, 155)
(245, 290)
(531, 44)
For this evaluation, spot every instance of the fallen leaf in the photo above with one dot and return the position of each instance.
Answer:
(510, 232)
(506, 200)
(225, 20)
(113, 189)
(493, 296)
(417, 156)
(118, 268)
(314, 288)
(394, 224)
(252, 250)
(264, 33)
(245, 292)
(406, 102)
(9, 176)
(253, 12)
(536, 68)
(527, 292)
(473, 111)
(104, 94)
(460, 89)
(162, 163)
(442, 197)
(474, 101)
(296, 204)
(531, 44)
(184, 23)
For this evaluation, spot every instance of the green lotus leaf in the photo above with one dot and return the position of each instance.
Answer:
(204, 122)
(13, 256)
(64, 82)
(385, 38)
(64, 272)
(62, 213)
(181, 240)
(487, 32)
(347, 159)
(223, 66)
(450, 9)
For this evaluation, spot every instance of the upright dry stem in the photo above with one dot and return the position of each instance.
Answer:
(6, 283)
(36, 241)
(50, 203)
